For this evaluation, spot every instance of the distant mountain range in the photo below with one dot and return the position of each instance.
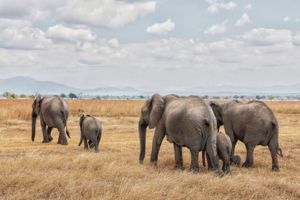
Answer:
(27, 85)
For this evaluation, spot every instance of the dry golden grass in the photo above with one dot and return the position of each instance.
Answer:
(49, 171)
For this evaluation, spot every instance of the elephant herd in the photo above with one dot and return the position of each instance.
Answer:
(185, 121)
(53, 112)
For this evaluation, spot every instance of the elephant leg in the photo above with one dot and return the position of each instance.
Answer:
(44, 130)
(157, 140)
(98, 140)
(49, 133)
(85, 143)
(234, 159)
(95, 142)
(273, 151)
(194, 160)
(226, 163)
(62, 136)
(209, 165)
(249, 158)
(178, 156)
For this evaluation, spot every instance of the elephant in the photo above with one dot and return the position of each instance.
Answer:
(186, 121)
(252, 123)
(224, 147)
(53, 112)
(90, 132)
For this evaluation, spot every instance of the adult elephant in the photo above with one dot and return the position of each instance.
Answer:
(53, 112)
(253, 123)
(187, 122)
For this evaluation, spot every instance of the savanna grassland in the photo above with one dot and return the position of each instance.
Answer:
(34, 170)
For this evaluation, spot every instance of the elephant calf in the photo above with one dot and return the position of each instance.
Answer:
(91, 131)
(224, 147)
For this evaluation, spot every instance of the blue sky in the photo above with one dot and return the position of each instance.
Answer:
(151, 44)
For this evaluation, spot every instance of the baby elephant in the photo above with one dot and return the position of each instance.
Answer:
(91, 131)
(224, 147)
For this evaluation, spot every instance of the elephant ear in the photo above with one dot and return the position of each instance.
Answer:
(36, 106)
(156, 109)
(218, 113)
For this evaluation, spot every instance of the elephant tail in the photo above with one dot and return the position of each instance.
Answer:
(65, 118)
(80, 141)
(203, 159)
(275, 130)
(67, 131)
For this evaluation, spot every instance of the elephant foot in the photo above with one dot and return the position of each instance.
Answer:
(46, 141)
(247, 164)
(180, 167)
(65, 142)
(226, 170)
(97, 150)
(153, 163)
(236, 160)
(50, 138)
(194, 169)
(62, 141)
(219, 173)
(275, 169)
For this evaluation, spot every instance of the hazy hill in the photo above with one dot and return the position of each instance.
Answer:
(28, 85)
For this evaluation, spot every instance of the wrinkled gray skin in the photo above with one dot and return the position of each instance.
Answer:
(53, 112)
(187, 122)
(253, 123)
(90, 132)
(223, 150)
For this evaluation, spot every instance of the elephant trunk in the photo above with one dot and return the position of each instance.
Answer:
(142, 134)
(203, 158)
(33, 126)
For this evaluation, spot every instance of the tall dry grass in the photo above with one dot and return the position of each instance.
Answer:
(33, 170)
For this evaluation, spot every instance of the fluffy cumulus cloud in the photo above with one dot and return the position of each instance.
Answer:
(296, 39)
(215, 5)
(245, 19)
(268, 36)
(248, 6)
(216, 29)
(61, 32)
(23, 38)
(286, 19)
(161, 28)
(107, 13)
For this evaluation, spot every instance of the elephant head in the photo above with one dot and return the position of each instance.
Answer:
(36, 109)
(217, 109)
(151, 113)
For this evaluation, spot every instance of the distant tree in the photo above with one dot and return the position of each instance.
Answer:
(10, 95)
(23, 96)
(73, 96)
(6, 94)
(258, 97)
(63, 95)
(236, 96)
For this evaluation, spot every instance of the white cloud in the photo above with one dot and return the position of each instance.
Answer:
(61, 32)
(248, 6)
(23, 38)
(114, 42)
(107, 13)
(286, 19)
(162, 28)
(216, 29)
(215, 5)
(296, 39)
(267, 36)
(245, 19)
